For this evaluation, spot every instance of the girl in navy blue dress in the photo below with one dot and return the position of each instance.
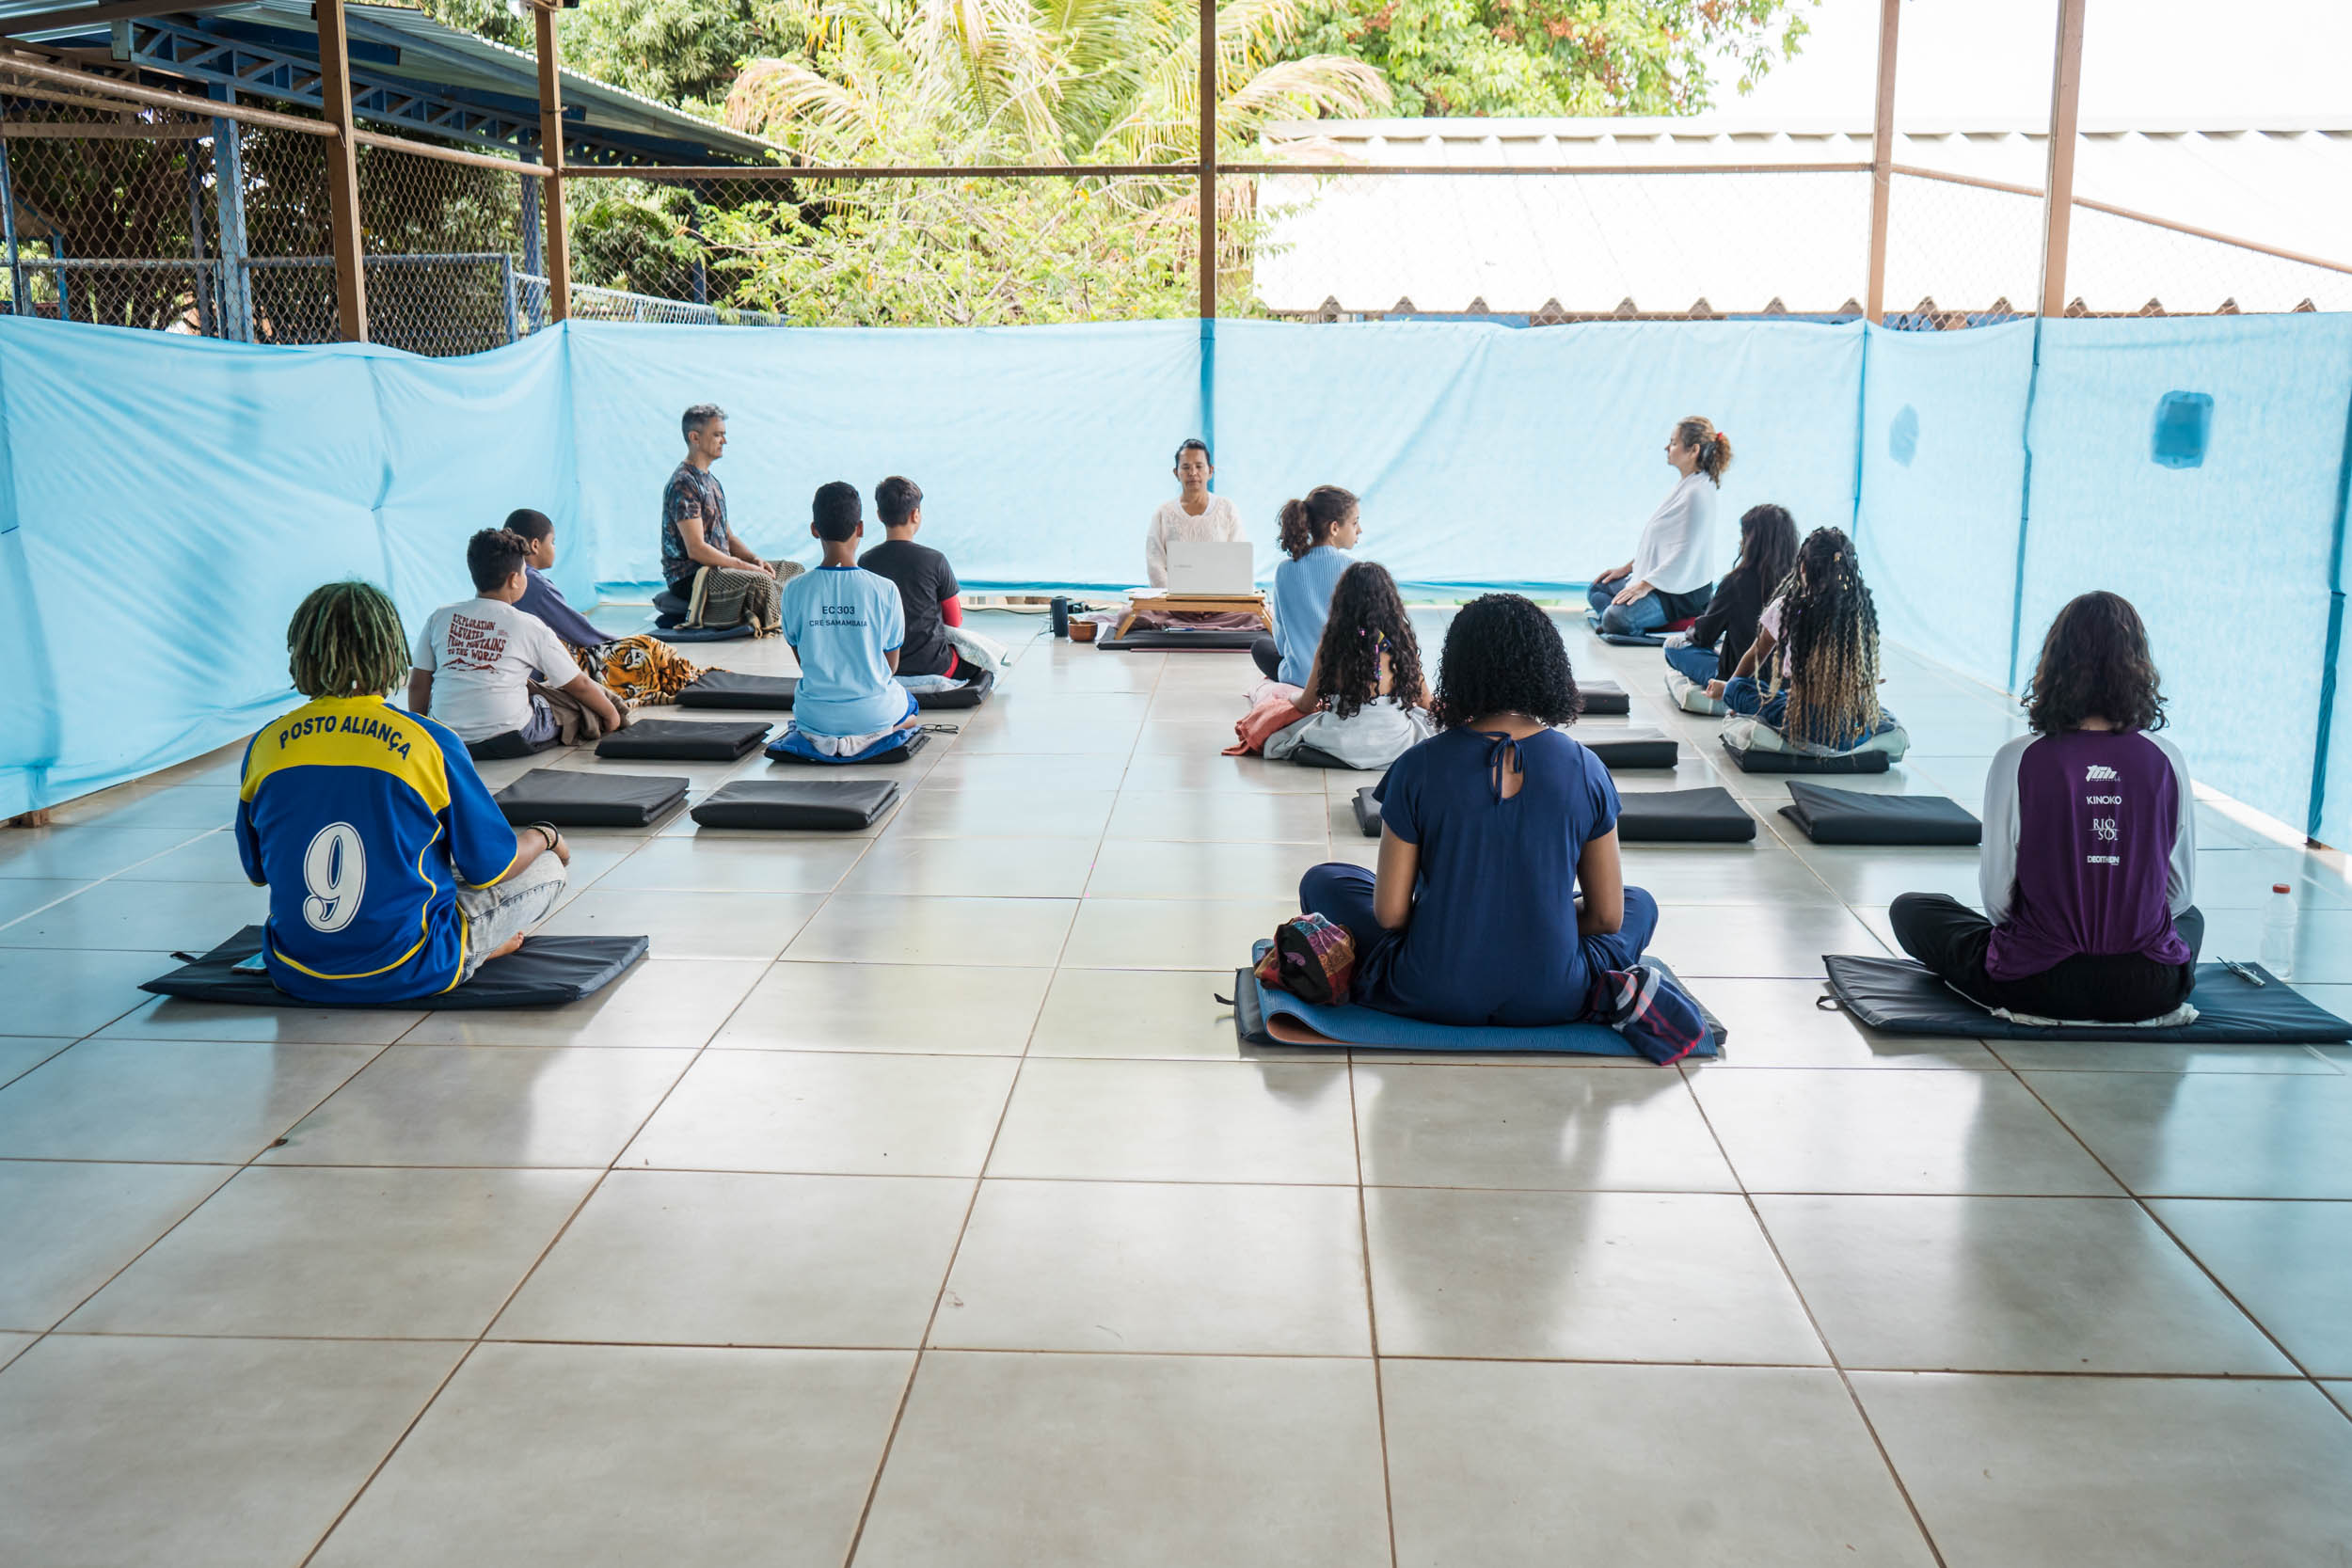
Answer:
(1500, 895)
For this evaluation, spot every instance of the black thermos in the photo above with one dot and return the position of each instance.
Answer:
(1061, 616)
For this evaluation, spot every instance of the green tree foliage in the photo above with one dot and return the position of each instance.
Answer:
(1024, 82)
(1555, 57)
(681, 52)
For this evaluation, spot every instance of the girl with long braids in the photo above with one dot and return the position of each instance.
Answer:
(391, 873)
(1363, 702)
(1500, 891)
(1317, 533)
(1813, 672)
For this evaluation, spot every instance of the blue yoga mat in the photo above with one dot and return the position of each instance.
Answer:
(1369, 1026)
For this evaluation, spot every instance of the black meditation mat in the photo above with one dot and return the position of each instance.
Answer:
(1902, 998)
(1186, 641)
(1631, 639)
(821, 804)
(1829, 815)
(575, 797)
(1630, 747)
(1604, 699)
(700, 634)
(684, 740)
(1753, 761)
(727, 688)
(545, 972)
(732, 689)
(915, 742)
(1308, 756)
(1709, 815)
(1367, 812)
(506, 746)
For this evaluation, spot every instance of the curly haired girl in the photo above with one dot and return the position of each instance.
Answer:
(1364, 700)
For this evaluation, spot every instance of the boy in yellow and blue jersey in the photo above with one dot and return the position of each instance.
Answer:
(391, 873)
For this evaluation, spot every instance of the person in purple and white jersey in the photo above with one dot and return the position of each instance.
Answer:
(2090, 859)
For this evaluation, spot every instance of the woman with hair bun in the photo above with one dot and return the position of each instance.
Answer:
(1194, 517)
(1671, 575)
(1317, 533)
(2089, 868)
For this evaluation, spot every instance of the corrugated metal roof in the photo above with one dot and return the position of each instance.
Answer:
(1742, 241)
(401, 41)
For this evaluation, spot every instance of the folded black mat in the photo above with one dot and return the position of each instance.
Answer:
(576, 797)
(506, 746)
(1180, 642)
(825, 806)
(1308, 756)
(1902, 998)
(1367, 812)
(545, 972)
(732, 689)
(1709, 815)
(700, 634)
(1829, 815)
(1751, 760)
(1630, 748)
(684, 740)
(727, 688)
(915, 742)
(1604, 699)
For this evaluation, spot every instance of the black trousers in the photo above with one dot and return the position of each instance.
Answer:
(2124, 987)
(1269, 657)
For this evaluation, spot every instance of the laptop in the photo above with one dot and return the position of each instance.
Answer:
(1209, 566)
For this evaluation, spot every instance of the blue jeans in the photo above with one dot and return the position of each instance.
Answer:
(1643, 616)
(1698, 664)
(1744, 696)
(1343, 893)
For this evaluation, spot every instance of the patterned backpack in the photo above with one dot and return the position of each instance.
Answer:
(1313, 958)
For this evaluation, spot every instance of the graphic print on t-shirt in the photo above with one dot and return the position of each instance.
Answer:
(474, 644)
(2103, 827)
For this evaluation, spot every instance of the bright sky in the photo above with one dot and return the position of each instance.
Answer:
(2146, 60)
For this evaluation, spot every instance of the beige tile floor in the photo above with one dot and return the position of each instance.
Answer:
(915, 1204)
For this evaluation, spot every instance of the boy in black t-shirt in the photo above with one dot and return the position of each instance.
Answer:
(927, 585)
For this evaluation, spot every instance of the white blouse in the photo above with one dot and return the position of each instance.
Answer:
(1677, 552)
(1172, 524)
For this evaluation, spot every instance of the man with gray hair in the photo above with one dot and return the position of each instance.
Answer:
(721, 579)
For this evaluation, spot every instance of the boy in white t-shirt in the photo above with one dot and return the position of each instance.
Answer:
(475, 660)
(846, 626)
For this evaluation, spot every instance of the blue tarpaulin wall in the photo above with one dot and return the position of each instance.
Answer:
(165, 501)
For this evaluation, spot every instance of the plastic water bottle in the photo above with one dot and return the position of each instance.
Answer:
(2278, 931)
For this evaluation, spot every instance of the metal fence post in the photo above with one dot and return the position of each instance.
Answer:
(201, 283)
(514, 310)
(18, 303)
(236, 276)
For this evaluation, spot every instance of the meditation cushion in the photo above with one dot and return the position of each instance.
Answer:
(915, 742)
(1682, 816)
(506, 746)
(684, 740)
(670, 605)
(835, 805)
(1855, 816)
(732, 689)
(1367, 812)
(1629, 747)
(1604, 699)
(729, 689)
(1903, 998)
(1690, 696)
(545, 972)
(1140, 640)
(701, 634)
(1757, 748)
(575, 797)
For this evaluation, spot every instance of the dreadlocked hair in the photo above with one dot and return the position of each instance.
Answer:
(1502, 655)
(1367, 620)
(345, 640)
(1831, 629)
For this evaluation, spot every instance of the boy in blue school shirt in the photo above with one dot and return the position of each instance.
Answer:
(845, 625)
